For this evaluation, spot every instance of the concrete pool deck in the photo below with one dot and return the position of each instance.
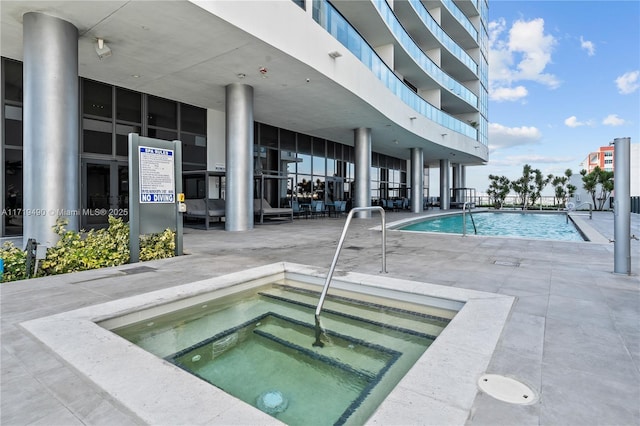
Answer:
(573, 334)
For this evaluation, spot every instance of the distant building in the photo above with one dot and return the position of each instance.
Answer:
(603, 158)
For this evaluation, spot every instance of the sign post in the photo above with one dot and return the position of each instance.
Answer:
(155, 180)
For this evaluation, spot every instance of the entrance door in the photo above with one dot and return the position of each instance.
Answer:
(105, 192)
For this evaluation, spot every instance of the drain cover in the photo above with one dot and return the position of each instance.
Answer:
(507, 389)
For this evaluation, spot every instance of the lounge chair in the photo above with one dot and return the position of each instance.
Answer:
(262, 208)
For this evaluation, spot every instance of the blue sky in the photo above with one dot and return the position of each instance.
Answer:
(564, 80)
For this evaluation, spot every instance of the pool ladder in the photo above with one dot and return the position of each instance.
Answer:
(464, 219)
(580, 214)
(325, 289)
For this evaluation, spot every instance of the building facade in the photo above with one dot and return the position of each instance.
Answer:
(602, 158)
(344, 99)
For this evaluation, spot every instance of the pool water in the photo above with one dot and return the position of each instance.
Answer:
(257, 346)
(547, 226)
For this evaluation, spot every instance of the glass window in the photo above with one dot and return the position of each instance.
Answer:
(128, 106)
(122, 138)
(13, 125)
(13, 191)
(96, 136)
(193, 119)
(163, 134)
(12, 80)
(96, 99)
(162, 113)
(193, 150)
(304, 154)
(319, 157)
(268, 136)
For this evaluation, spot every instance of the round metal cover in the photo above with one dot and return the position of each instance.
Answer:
(507, 389)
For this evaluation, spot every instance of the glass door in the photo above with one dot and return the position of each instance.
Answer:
(105, 192)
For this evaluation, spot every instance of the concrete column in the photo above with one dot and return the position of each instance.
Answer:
(50, 126)
(622, 206)
(417, 180)
(362, 142)
(455, 168)
(463, 184)
(445, 197)
(239, 157)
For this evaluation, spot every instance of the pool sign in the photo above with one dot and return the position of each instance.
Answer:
(155, 181)
(157, 175)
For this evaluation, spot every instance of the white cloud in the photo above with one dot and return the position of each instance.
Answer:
(506, 137)
(628, 82)
(519, 55)
(573, 122)
(613, 120)
(588, 46)
(508, 93)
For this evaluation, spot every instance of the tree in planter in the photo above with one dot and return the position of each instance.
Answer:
(563, 190)
(526, 187)
(539, 183)
(498, 189)
(598, 183)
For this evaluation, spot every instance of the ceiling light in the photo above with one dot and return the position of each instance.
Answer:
(102, 49)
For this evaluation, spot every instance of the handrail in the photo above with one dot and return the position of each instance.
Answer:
(464, 219)
(325, 289)
(576, 208)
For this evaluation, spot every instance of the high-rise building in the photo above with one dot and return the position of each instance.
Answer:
(347, 99)
(602, 158)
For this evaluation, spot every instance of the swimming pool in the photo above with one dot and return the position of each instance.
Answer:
(546, 226)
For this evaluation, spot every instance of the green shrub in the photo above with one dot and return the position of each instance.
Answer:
(15, 262)
(81, 251)
(157, 246)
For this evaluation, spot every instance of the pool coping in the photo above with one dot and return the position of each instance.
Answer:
(441, 386)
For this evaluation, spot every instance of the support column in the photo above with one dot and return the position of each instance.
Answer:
(463, 184)
(445, 197)
(417, 180)
(239, 157)
(455, 168)
(50, 126)
(622, 206)
(362, 142)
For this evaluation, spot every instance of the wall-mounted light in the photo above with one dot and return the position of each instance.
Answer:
(241, 75)
(335, 54)
(413, 117)
(102, 49)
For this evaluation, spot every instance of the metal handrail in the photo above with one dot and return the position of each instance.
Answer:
(325, 289)
(464, 219)
(579, 205)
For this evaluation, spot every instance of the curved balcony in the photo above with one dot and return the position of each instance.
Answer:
(336, 25)
(442, 36)
(461, 17)
(422, 60)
